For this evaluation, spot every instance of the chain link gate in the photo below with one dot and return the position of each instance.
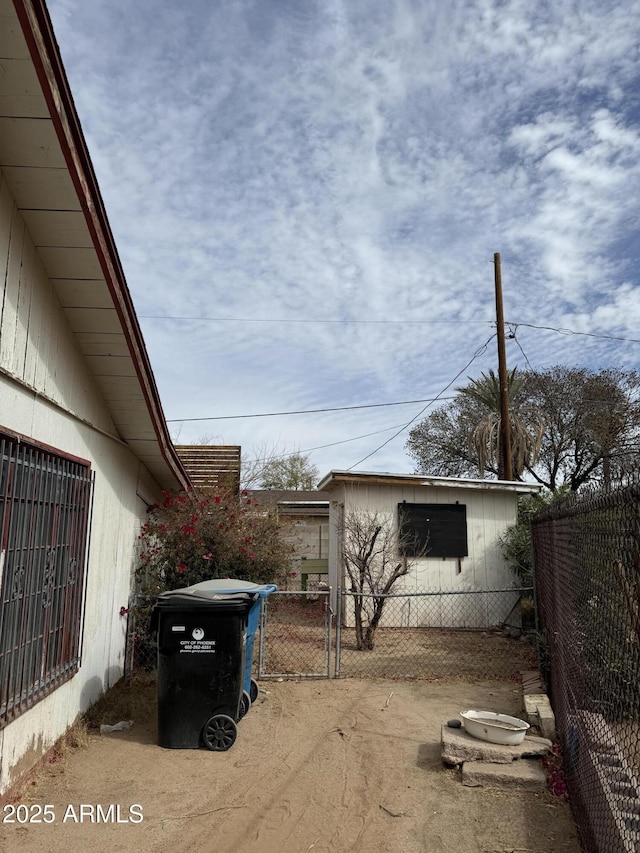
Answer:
(295, 635)
(474, 634)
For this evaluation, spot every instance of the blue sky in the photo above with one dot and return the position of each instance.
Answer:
(320, 187)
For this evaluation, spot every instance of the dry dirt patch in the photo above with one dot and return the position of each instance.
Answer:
(346, 765)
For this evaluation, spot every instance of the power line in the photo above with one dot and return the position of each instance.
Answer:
(323, 446)
(573, 332)
(514, 337)
(314, 320)
(480, 351)
(350, 321)
(306, 411)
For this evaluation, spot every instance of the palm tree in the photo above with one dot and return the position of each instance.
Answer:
(526, 424)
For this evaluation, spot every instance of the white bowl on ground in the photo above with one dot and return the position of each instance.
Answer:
(495, 728)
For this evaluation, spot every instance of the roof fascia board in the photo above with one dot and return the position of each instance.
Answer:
(334, 479)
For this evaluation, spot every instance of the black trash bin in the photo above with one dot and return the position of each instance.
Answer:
(201, 653)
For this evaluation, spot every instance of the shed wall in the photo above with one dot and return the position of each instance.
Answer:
(489, 513)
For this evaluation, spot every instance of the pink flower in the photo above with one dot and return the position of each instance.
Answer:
(181, 568)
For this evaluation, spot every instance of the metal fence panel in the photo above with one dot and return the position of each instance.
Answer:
(587, 565)
(452, 647)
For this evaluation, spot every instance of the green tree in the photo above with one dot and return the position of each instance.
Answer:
(590, 428)
(192, 537)
(525, 424)
(291, 472)
(516, 543)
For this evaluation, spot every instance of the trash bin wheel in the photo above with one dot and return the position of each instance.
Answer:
(219, 733)
(245, 704)
(253, 691)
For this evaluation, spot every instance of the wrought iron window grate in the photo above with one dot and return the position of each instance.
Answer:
(44, 519)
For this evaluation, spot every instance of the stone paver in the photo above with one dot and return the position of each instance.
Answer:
(458, 747)
(523, 775)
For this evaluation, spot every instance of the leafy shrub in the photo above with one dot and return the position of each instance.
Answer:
(192, 537)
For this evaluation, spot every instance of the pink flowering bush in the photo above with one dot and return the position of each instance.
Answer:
(191, 537)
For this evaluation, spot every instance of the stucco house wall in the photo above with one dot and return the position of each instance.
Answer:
(75, 384)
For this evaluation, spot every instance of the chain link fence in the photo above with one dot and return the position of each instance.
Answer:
(141, 652)
(587, 569)
(472, 635)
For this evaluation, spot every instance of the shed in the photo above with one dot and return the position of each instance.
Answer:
(455, 524)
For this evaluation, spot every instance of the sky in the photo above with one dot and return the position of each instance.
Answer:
(307, 196)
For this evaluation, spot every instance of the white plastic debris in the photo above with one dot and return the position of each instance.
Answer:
(123, 724)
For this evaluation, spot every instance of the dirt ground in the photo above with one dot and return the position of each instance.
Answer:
(341, 765)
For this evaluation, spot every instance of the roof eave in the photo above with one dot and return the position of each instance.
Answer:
(38, 32)
(336, 478)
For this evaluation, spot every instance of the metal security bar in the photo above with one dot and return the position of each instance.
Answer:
(587, 569)
(44, 521)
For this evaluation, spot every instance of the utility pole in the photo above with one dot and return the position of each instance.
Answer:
(505, 465)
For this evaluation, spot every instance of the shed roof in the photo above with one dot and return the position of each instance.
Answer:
(45, 161)
(336, 478)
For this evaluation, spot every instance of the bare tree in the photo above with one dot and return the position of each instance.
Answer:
(374, 555)
(254, 461)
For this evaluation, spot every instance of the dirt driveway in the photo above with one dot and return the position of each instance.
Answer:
(346, 765)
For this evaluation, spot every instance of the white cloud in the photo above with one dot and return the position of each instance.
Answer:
(360, 160)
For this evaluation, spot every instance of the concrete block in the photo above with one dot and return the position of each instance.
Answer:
(458, 747)
(532, 702)
(520, 775)
(547, 723)
(539, 713)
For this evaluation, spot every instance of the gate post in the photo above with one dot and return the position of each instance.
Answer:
(338, 633)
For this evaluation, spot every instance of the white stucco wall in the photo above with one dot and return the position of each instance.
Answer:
(489, 512)
(47, 394)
